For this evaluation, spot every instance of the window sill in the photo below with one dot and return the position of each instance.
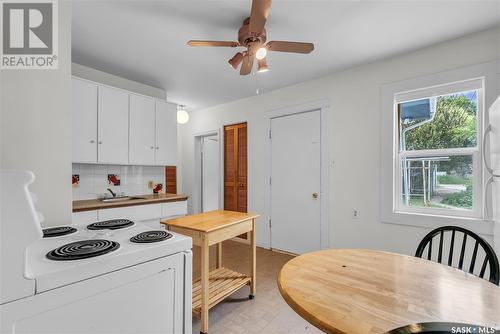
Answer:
(479, 226)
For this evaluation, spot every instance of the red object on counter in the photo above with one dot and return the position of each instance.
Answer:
(157, 188)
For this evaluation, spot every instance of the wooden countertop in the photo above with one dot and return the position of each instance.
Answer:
(210, 221)
(367, 291)
(96, 204)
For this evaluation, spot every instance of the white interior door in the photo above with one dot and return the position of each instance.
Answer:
(295, 182)
(210, 173)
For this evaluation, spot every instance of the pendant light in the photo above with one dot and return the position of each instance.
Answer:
(182, 114)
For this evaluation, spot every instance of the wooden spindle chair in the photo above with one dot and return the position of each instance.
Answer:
(490, 257)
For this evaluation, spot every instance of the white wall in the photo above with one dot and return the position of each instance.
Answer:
(92, 74)
(354, 131)
(36, 126)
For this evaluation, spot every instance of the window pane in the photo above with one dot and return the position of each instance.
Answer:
(447, 121)
(437, 182)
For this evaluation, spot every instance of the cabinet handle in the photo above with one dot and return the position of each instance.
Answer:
(157, 147)
(99, 142)
(92, 141)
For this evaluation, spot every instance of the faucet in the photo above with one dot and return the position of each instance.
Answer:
(112, 192)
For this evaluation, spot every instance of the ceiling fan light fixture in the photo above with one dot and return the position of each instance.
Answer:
(262, 66)
(261, 53)
(236, 60)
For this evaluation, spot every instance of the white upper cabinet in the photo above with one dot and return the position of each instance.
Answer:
(142, 130)
(166, 133)
(84, 121)
(112, 126)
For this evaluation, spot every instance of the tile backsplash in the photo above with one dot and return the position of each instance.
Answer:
(133, 180)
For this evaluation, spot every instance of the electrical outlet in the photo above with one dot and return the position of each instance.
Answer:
(151, 184)
(355, 213)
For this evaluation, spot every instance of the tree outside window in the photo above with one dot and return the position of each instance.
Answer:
(438, 127)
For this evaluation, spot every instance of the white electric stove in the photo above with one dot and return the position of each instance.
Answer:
(115, 276)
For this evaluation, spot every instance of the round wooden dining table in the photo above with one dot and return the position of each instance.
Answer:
(367, 291)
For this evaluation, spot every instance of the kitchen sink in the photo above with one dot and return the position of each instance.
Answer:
(120, 198)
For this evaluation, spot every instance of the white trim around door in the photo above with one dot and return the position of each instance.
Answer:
(197, 188)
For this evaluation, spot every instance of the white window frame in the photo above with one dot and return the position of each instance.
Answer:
(389, 139)
(475, 152)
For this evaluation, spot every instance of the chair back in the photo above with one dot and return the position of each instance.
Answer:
(469, 238)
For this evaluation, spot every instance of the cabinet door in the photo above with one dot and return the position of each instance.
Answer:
(113, 126)
(84, 109)
(142, 130)
(166, 133)
(135, 213)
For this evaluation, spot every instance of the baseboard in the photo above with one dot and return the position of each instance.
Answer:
(283, 252)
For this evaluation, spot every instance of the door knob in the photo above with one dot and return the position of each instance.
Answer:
(92, 141)
(315, 195)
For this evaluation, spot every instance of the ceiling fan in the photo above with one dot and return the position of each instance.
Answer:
(252, 36)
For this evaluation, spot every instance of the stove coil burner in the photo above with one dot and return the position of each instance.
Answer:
(58, 231)
(151, 236)
(113, 224)
(83, 249)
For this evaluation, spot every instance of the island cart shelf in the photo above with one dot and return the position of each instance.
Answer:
(212, 228)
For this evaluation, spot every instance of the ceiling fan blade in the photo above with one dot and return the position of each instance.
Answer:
(213, 43)
(258, 15)
(246, 65)
(296, 47)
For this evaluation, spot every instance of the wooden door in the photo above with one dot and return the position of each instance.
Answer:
(84, 121)
(142, 130)
(112, 127)
(235, 167)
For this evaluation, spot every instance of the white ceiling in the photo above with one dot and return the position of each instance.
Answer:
(145, 41)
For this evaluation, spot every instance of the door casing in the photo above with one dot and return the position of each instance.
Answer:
(196, 196)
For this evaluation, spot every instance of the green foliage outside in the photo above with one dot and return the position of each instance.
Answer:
(454, 125)
(461, 199)
(452, 179)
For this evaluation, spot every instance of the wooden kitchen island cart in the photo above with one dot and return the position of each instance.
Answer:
(212, 228)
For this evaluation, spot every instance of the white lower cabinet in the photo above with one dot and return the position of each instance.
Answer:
(173, 209)
(151, 214)
(134, 213)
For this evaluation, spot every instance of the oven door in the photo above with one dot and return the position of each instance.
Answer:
(146, 298)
